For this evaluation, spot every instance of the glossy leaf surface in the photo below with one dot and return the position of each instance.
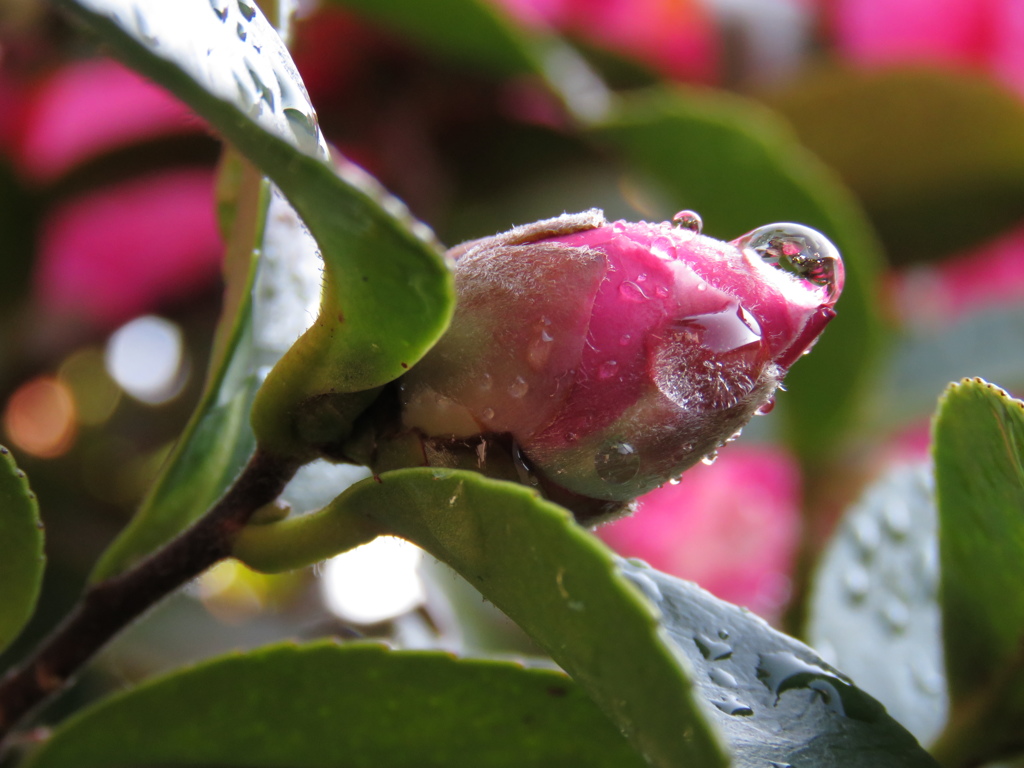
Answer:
(21, 550)
(550, 576)
(218, 439)
(934, 155)
(325, 705)
(737, 165)
(979, 477)
(877, 587)
(388, 291)
(776, 700)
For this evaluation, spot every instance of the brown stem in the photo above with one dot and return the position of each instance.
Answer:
(109, 606)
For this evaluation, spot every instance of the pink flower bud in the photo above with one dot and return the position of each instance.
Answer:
(617, 355)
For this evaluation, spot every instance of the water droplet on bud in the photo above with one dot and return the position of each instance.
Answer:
(519, 387)
(539, 350)
(624, 341)
(710, 459)
(487, 413)
(630, 291)
(690, 220)
(766, 408)
(799, 251)
(607, 369)
(618, 463)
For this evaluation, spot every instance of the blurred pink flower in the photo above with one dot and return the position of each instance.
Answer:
(939, 294)
(126, 249)
(732, 527)
(675, 37)
(89, 108)
(11, 109)
(980, 34)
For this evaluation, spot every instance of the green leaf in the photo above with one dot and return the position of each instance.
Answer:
(387, 291)
(776, 700)
(325, 705)
(925, 150)
(772, 697)
(21, 550)
(739, 166)
(218, 439)
(877, 587)
(979, 463)
(979, 466)
(467, 31)
(550, 576)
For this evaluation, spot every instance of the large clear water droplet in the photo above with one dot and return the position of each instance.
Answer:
(732, 705)
(857, 582)
(784, 671)
(630, 291)
(723, 678)
(304, 128)
(519, 387)
(710, 360)
(523, 469)
(800, 251)
(618, 463)
(712, 650)
(895, 614)
(220, 7)
(690, 220)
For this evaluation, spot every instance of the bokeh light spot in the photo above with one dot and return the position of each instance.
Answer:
(40, 417)
(375, 582)
(146, 357)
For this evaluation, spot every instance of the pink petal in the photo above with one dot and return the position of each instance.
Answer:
(874, 32)
(127, 249)
(91, 107)
(732, 527)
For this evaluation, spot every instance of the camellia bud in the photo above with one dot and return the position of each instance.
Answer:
(610, 357)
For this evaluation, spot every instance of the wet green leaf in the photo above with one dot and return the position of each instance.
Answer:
(387, 290)
(776, 700)
(21, 550)
(934, 155)
(771, 696)
(877, 586)
(229, 65)
(979, 479)
(550, 576)
(218, 438)
(324, 705)
(979, 457)
(737, 165)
